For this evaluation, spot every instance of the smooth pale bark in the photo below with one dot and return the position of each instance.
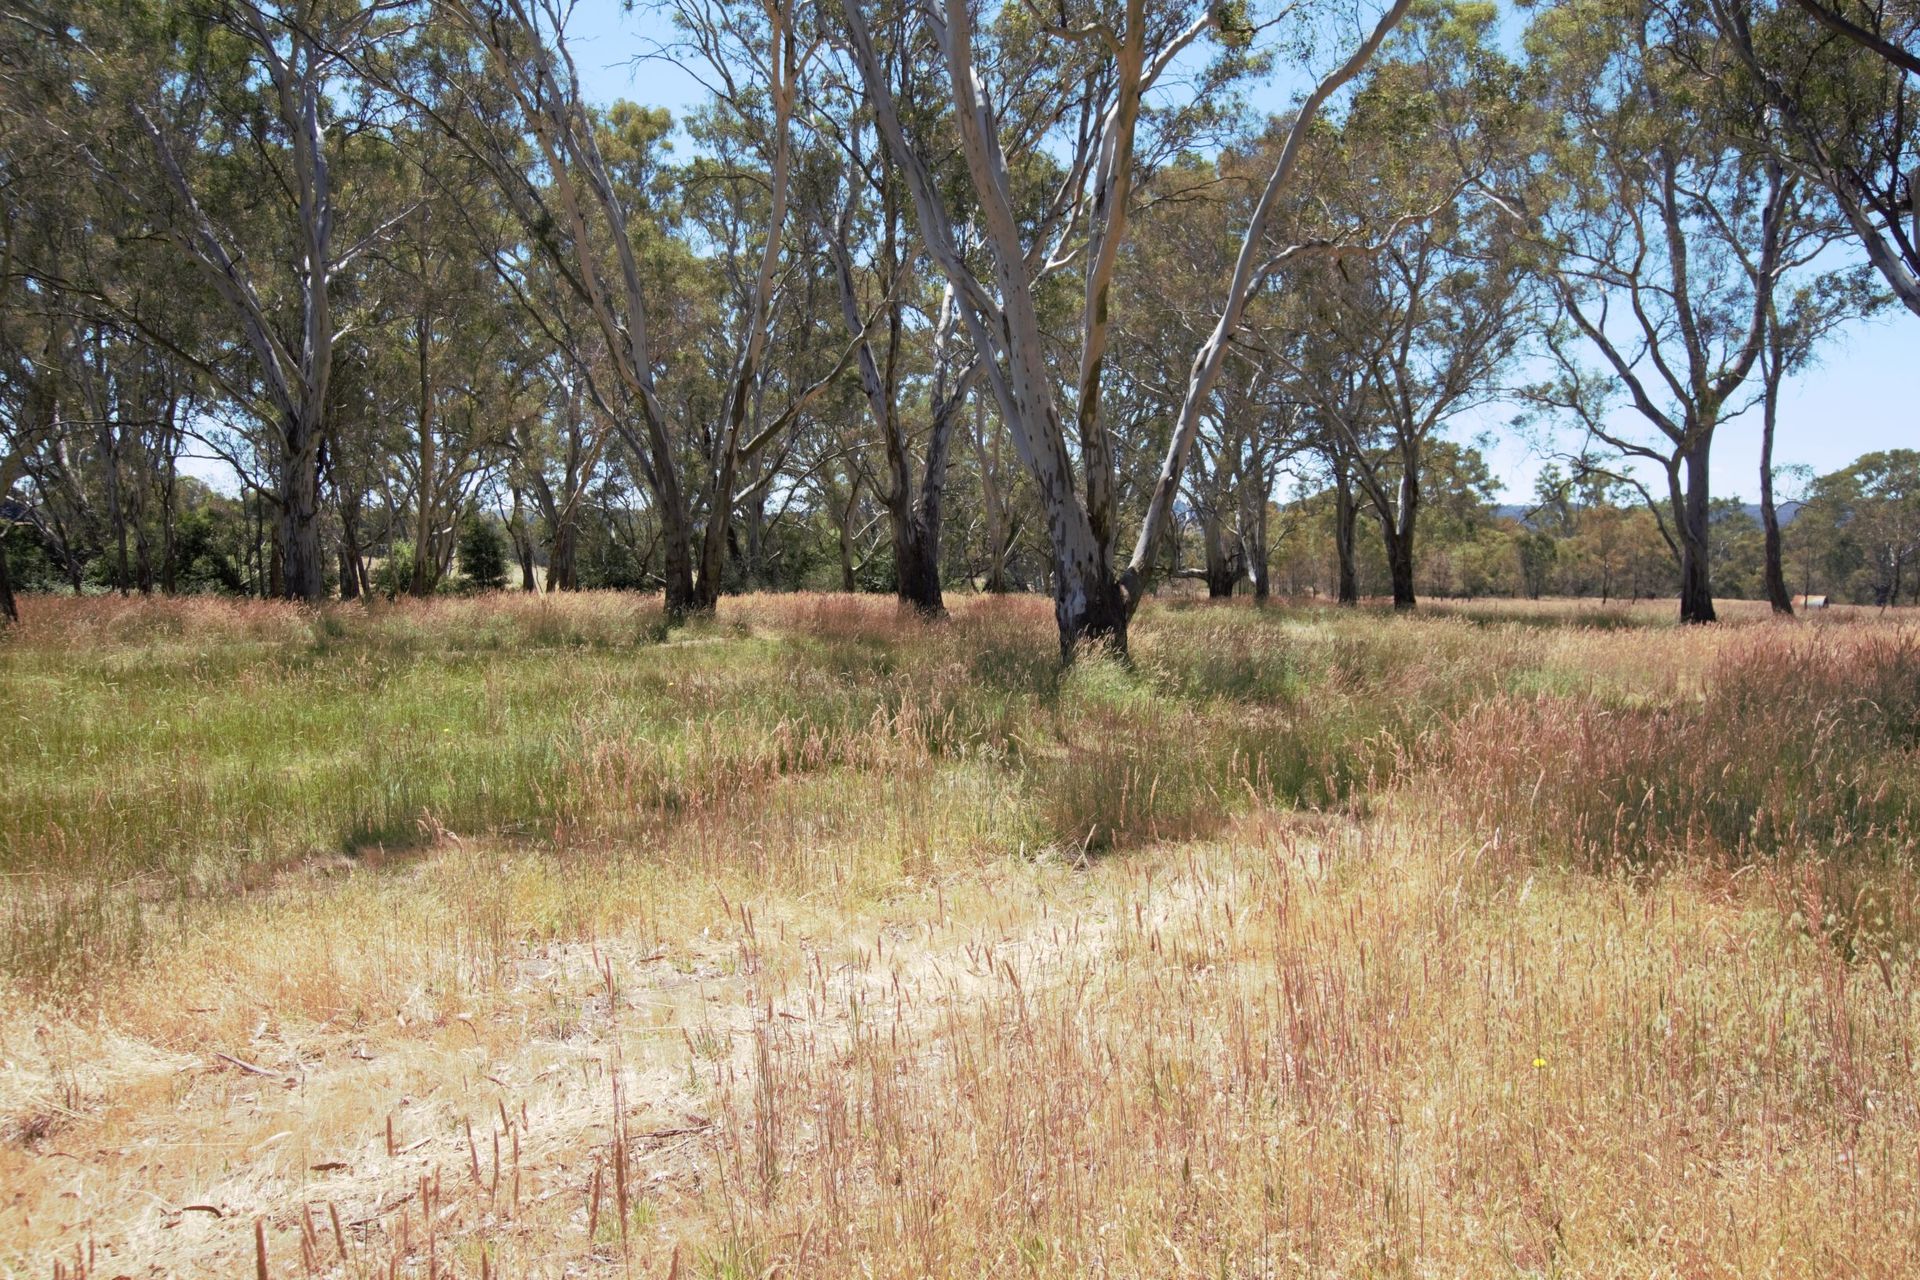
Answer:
(1001, 530)
(295, 381)
(914, 511)
(1251, 268)
(1253, 538)
(1087, 601)
(1091, 601)
(538, 70)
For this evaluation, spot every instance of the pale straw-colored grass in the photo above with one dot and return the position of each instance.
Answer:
(815, 941)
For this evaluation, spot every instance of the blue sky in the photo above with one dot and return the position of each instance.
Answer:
(1849, 404)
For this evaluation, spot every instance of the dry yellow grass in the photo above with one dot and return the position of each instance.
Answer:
(837, 991)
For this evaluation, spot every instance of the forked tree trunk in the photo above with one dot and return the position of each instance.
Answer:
(916, 562)
(1088, 603)
(1222, 569)
(677, 570)
(1091, 600)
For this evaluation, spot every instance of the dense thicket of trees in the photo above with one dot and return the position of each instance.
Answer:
(942, 297)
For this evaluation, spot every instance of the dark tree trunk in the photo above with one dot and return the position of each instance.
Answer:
(1088, 603)
(997, 583)
(717, 541)
(9, 610)
(1344, 517)
(523, 551)
(1222, 569)
(916, 564)
(1400, 524)
(1400, 569)
(563, 573)
(916, 524)
(303, 573)
(1694, 519)
(349, 571)
(677, 569)
(168, 581)
(1772, 570)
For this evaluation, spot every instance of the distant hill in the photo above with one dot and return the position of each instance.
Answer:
(1519, 513)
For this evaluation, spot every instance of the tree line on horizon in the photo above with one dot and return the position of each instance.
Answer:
(999, 297)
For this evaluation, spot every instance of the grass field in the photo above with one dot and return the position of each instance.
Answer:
(528, 937)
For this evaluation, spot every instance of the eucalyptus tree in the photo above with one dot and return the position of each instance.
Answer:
(448, 345)
(1841, 81)
(30, 332)
(582, 208)
(1864, 522)
(1418, 317)
(1666, 245)
(556, 457)
(916, 372)
(1803, 314)
(1001, 515)
(1075, 85)
(232, 133)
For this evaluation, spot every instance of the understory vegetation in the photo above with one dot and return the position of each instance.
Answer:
(504, 936)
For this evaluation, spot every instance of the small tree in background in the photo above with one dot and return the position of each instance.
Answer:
(483, 554)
